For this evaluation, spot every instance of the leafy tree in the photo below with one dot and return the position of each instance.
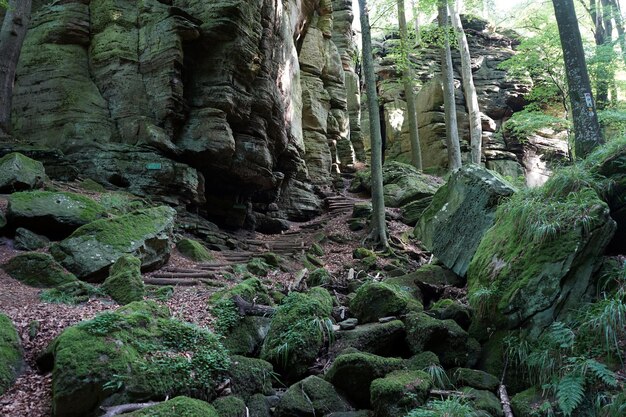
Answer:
(379, 227)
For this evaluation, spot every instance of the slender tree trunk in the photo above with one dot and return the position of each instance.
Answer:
(619, 25)
(416, 21)
(379, 228)
(407, 79)
(447, 77)
(586, 127)
(601, 37)
(471, 99)
(12, 36)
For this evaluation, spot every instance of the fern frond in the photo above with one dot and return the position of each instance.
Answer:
(600, 371)
(570, 393)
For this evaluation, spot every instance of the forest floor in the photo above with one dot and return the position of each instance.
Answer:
(38, 323)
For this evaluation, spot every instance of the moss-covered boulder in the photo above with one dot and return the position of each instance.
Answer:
(447, 339)
(249, 376)
(422, 361)
(259, 267)
(484, 400)
(353, 373)
(319, 277)
(124, 283)
(178, 407)
(447, 309)
(29, 241)
(134, 354)
(561, 231)
(38, 270)
(19, 172)
(246, 337)
(55, 214)
(436, 275)
(73, 292)
(527, 403)
(230, 406)
(194, 250)
(385, 339)
(377, 299)
(310, 397)
(300, 328)
(465, 377)
(91, 249)
(11, 361)
(259, 406)
(460, 214)
(402, 184)
(399, 392)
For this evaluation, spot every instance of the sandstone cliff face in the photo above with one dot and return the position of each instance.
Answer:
(499, 97)
(246, 97)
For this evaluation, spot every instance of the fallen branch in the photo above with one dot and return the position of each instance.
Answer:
(125, 408)
(248, 309)
(446, 393)
(506, 401)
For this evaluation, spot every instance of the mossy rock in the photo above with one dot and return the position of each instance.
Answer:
(19, 172)
(259, 406)
(74, 292)
(124, 283)
(399, 392)
(90, 185)
(360, 413)
(319, 277)
(133, 354)
(271, 259)
(377, 299)
(436, 275)
(299, 329)
(194, 250)
(178, 407)
(353, 373)
(407, 284)
(447, 339)
(385, 339)
(38, 270)
(474, 378)
(362, 253)
(484, 400)
(258, 266)
(527, 403)
(55, 214)
(159, 292)
(362, 209)
(460, 214)
(30, 241)
(410, 213)
(11, 361)
(230, 406)
(247, 336)
(546, 270)
(447, 309)
(91, 249)
(422, 361)
(250, 376)
(310, 397)
(120, 202)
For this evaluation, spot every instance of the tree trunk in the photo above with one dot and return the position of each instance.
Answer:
(452, 132)
(407, 79)
(379, 228)
(619, 25)
(471, 99)
(586, 127)
(416, 21)
(12, 36)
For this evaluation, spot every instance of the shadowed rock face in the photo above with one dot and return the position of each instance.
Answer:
(215, 85)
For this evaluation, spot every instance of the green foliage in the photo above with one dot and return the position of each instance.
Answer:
(613, 123)
(451, 407)
(74, 292)
(438, 376)
(226, 315)
(527, 122)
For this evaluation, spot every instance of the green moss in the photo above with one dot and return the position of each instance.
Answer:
(271, 259)
(178, 407)
(352, 374)
(194, 250)
(159, 292)
(422, 360)
(258, 406)
(374, 300)
(258, 266)
(131, 354)
(119, 202)
(18, 172)
(224, 309)
(10, 353)
(250, 376)
(299, 329)
(124, 283)
(74, 292)
(37, 270)
(246, 337)
(527, 403)
(64, 207)
(90, 185)
(399, 392)
(484, 400)
(230, 406)
(474, 379)
(319, 277)
(362, 253)
(309, 398)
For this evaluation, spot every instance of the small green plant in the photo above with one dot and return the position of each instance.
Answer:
(482, 300)
(225, 311)
(438, 376)
(451, 407)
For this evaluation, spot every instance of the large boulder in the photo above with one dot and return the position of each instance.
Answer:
(310, 397)
(299, 329)
(249, 376)
(384, 339)
(18, 172)
(91, 249)
(375, 300)
(560, 232)
(37, 270)
(460, 214)
(133, 354)
(27, 240)
(399, 392)
(124, 283)
(177, 407)
(194, 250)
(11, 361)
(54, 214)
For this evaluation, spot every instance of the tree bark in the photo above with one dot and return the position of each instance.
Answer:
(471, 98)
(586, 127)
(416, 21)
(407, 79)
(12, 36)
(379, 228)
(447, 78)
(248, 309)
(619, 25)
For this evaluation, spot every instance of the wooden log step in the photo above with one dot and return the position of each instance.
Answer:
(182, 282)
